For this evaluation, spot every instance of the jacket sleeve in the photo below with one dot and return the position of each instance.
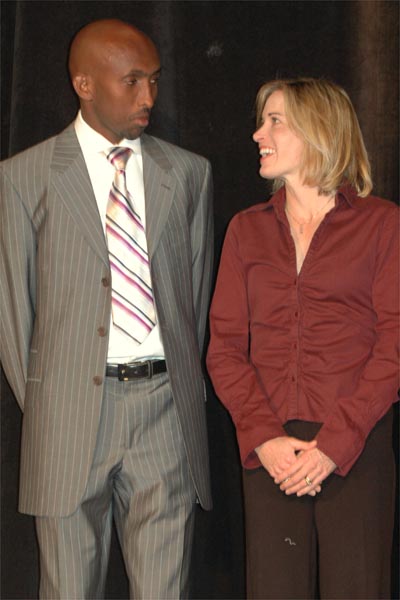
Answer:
(234, 377)
(17, 286)
(343, 434)
(202, 243)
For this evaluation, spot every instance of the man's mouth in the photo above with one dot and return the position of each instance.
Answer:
(143, 117)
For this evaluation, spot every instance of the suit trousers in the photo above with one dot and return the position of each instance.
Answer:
(334, 545)
(140, 476)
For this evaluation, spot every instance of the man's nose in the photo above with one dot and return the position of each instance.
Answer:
(148, 94)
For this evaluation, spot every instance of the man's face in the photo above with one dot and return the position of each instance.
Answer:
(123, 88)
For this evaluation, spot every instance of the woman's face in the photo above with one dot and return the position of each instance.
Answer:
(281, 150)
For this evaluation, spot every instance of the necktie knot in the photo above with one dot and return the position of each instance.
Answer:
(119, 156)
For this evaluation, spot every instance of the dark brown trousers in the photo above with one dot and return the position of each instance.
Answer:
(336, 545)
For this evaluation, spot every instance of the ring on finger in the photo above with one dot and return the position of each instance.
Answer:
(308, 480)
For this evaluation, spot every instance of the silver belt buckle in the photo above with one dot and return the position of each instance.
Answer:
(122, 373)
(123, 370)
(150, 369)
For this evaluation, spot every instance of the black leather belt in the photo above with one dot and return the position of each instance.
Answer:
(137, 370)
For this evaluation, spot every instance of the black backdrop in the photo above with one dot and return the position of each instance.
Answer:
(215, 55)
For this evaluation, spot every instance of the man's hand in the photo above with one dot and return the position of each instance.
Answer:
(305, 475)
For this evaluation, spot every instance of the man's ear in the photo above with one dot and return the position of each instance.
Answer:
(83, 86)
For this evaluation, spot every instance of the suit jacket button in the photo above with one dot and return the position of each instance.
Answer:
(106, 282)
(102, 331)
(97, 380)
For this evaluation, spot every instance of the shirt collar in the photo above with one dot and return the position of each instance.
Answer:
(92, 142)
(346, 194)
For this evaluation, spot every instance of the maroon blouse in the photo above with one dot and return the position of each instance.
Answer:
(320, 346)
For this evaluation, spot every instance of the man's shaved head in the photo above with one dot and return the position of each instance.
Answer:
(97, 41)
(114, 69)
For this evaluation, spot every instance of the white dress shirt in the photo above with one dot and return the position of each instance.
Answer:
(95, 147)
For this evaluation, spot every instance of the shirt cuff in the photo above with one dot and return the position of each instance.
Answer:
(343, 448)
(250, 437)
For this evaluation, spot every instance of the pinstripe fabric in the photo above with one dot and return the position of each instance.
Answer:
(56, 302)
(140, 466)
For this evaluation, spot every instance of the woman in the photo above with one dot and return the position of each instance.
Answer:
(303, 352)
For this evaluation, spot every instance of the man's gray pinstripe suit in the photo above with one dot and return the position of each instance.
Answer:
(56, 302)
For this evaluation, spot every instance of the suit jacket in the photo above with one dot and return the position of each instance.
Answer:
(56, 301)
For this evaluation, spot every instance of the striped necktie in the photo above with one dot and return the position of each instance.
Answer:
(132, 296)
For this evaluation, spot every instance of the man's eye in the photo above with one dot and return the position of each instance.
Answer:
(131, 81)
(154, 81)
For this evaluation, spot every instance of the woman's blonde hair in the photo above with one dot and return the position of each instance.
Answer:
(322, 115)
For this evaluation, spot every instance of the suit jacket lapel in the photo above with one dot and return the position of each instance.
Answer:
(71, 180)
(159, 186)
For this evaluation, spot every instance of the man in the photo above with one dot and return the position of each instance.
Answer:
(106, 267)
